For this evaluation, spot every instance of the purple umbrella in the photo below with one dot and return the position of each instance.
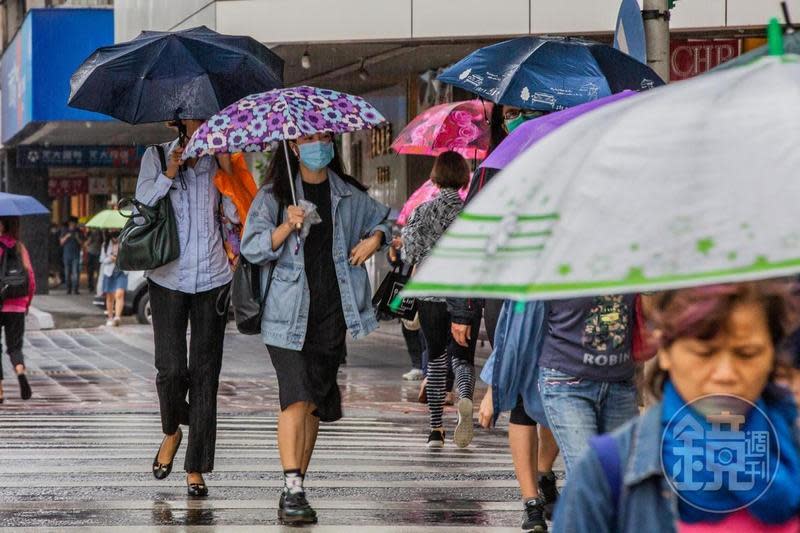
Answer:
(257, 121)
(534, 130)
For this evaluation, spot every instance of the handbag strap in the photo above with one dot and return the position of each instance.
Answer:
(161, 157)
(273, 263)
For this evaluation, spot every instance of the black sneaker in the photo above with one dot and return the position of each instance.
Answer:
(436, 439)
(533, 520)
(549, 493)
(294, 509)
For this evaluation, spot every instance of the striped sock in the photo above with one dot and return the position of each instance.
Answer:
(437, 383)
(465, 378)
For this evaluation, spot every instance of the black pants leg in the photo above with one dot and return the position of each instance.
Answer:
(414, 345)
(491, 315)
(208, 316)
(92, 268)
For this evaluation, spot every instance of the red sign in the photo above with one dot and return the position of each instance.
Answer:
(67, 186)
(688, 58)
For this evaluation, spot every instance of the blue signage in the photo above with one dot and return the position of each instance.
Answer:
(79, 156)
(36, 67)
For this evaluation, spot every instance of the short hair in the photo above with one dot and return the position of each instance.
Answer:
(703, 312)
(450, 171)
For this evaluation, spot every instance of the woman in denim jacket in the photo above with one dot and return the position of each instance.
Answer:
(319, 290)
(666, 471)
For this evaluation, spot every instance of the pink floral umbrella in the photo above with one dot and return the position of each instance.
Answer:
(427, 191)
(460, 126)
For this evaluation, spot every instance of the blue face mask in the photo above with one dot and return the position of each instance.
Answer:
(316, 155)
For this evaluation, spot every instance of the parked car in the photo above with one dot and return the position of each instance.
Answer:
(137, 299)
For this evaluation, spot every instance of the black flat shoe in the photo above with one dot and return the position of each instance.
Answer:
(197, 490)
(295, 509)
(161, 471)
(24, 387)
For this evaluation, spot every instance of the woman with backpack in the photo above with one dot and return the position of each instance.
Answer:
(720, 451)
(115, 281)
(12, 314)
(318, 290)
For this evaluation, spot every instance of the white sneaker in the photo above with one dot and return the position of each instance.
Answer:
(110, 323)
(415, 374)
(115, 322)
(462, 436)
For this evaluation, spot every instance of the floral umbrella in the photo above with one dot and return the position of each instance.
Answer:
(460, 126)
(257, 121)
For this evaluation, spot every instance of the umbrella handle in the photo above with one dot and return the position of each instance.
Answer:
(291, 186)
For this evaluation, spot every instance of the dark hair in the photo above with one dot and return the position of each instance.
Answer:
(11, 226)
(702, 313)
(278, 177)
(450, 171)
(496, 131)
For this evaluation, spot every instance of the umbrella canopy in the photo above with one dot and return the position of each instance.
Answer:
(690, 184)
(193, 73)
(427, 191)
(532, 131)
(548, 73)
(107, 219)
(460, 126)
(255, 122)
(18, 205)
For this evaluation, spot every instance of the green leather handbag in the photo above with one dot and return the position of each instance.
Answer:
(150, 237)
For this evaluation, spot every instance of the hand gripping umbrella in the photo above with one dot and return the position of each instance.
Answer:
(161, 76)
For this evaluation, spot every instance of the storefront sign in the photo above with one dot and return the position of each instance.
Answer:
(67, 186)
(688, 58)
(100, 186)
(78, 156)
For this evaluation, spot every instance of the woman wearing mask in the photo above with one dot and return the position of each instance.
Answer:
(115, 281)
(719, 356)
(193, 288)
(424, 228)
(318, 291)
(12, 315)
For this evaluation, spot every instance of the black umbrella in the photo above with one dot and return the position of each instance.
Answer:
(161, 76)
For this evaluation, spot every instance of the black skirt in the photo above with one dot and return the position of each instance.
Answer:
(309, 375)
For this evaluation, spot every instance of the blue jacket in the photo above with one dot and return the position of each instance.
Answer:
(646, 501)
(355, 216)
(512, 369)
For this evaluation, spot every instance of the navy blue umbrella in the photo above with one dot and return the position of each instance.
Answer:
(161, 76)
(17, 205)
(549, 73)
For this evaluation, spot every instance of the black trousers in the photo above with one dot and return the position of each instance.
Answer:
(435, 322)
(13, 325)
(92, 270)
(199, 374)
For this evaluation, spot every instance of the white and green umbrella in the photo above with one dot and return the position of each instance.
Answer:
(685, 185)
(107, 219)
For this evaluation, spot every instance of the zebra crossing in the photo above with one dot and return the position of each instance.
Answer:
(369, 473)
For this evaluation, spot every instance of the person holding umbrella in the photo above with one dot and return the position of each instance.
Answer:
(183, 77)
(319, 290)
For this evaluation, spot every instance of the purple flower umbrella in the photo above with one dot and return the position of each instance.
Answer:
(535, 130)
(257, 121)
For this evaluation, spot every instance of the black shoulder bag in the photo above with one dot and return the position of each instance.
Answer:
(246, 298)
(389, 288)
(154, 242)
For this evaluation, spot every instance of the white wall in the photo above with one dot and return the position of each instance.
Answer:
(433, 18)
(285, 21)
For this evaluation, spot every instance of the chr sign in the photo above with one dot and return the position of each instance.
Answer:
(688, 58)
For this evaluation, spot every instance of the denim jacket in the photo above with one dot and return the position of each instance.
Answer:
(355, 216)
(646, 501)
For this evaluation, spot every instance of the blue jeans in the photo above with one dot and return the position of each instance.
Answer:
(577, 409)
(72, 272)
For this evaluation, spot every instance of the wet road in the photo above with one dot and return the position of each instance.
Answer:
(78, 454)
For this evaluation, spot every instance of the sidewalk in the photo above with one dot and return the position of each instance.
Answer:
(65, 311)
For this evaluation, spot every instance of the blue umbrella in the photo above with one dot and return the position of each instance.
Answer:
(17, 205)
(548, 73)
(161, 76)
